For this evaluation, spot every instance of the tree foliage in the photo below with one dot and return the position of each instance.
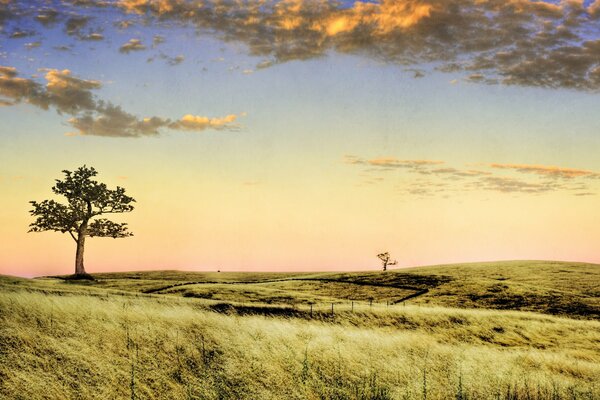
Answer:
(86, 199)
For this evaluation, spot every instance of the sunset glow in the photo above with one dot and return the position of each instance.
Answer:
(305, 135)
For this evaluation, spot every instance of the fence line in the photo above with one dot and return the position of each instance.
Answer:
(314, 308)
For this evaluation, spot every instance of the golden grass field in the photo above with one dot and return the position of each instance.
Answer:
(514, 330)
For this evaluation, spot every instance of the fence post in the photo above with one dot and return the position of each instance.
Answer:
(331, 308)
(371, 303)
(352, 306)
(311, 310)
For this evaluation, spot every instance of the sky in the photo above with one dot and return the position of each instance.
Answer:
(304, 135)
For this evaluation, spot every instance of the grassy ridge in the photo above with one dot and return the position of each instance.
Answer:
(558, 288)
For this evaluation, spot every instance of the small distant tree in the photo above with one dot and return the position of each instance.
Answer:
(86, 200)
(385, 260)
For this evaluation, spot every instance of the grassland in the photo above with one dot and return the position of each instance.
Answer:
(178, 335)
(557, 288)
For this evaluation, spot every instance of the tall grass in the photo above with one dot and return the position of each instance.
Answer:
(93, 347)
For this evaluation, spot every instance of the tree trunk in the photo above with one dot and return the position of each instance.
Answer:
(79, 269)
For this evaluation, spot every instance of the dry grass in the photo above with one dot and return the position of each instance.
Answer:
(291, 292)
(70, 345)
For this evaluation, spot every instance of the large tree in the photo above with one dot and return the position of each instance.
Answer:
(86, 200)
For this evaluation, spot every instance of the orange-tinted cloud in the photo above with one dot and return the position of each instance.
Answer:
(198, 123)
(430, 180)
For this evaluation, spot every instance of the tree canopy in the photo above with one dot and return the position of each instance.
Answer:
(87, 199)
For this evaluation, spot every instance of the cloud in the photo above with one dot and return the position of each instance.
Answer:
(389, 162)
(512, 185)
(132, 45)
(125, 24)
(9, 11)
(94, 36)
(47, 17)
(9, 72)
(454, 172)
(395, 163)
(18, 34)
(176, 60)
(111, 121)
(32, 45)
(550, 171)
(518, 42)
(16, 89)
(89, 116)
(264, 64)
(62, 91)
(75, 24)
(198, 123)
(157, 39)
(62, 48)
(68, 93)
(173, 61)
(428, 179)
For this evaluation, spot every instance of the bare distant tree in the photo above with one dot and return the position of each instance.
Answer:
(86, 200)
(385, 260)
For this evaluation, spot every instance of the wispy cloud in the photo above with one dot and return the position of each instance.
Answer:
(430, 180)
(513, 185)
(550, 171)
(390, 162)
